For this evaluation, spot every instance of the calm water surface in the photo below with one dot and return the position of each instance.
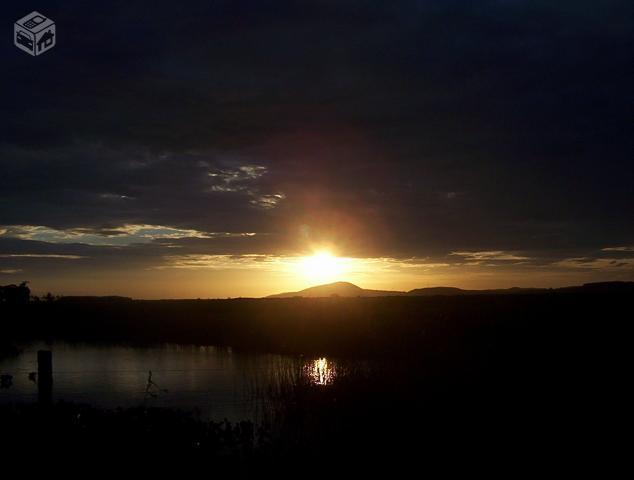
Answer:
(218, 382)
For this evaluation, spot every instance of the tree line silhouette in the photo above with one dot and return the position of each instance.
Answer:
(15, 294)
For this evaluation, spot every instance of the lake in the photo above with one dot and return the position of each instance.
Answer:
(218, 382)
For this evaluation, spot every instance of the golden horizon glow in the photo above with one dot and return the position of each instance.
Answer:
(191, 275)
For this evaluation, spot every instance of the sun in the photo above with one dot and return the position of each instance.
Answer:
(322, 267)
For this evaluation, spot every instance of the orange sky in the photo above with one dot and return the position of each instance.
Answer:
(256, 276)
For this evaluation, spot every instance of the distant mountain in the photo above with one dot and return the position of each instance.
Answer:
(346, 289)
(433, 291)
(601, 287)
(337, 289)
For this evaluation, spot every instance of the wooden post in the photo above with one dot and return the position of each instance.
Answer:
(45, 377)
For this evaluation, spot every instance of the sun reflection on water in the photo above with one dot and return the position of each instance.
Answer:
(320, 371)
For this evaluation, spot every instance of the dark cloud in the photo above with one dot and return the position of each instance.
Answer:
(402, 129)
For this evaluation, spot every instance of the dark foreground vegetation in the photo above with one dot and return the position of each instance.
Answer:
(153, 435)
(517, 381)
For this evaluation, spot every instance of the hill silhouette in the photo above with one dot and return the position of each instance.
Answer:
(347, 289)
(337, 289)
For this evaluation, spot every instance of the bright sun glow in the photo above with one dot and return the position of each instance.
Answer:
(322, 267)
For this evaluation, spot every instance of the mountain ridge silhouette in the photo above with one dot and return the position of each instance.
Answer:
(347, 289)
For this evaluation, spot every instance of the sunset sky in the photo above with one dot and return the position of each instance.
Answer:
(212, 148)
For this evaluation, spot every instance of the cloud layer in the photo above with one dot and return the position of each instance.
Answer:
(489, 135)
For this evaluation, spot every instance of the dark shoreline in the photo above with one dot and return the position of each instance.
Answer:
(347, 327)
